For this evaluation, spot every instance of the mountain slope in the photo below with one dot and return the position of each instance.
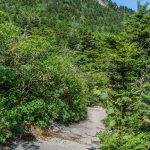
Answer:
(90, 14)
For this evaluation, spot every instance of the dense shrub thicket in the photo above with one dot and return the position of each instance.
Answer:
(37, 85)
(128, 110)
(58, 57)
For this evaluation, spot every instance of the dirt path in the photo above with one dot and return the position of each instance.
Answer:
(81, 136)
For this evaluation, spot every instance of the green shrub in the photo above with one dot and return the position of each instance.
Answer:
(4, 124)
(48, 91)
(37, 85)
(117, 140)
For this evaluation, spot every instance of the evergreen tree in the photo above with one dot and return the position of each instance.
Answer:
(129, 74)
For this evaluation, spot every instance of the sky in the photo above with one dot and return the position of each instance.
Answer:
(130, 3)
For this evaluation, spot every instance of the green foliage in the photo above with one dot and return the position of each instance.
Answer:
(39, 13)
(37, 85)
(4, 123)
(89, 58)
(59, 57)
(118, 141)
(128, 119)
(66, 19)
(2, 16)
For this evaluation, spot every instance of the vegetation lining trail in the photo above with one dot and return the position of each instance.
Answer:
(59, 57)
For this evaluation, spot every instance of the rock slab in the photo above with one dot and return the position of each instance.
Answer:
(80, 136)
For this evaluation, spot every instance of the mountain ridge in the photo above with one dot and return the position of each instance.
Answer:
(90, 14)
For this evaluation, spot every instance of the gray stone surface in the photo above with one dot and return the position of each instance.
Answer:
(53, 144)
(86, 131)
(81, 136)
(95, 139)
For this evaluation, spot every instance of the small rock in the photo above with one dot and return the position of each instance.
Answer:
(86, 140)
(56, 129)
(95, 140)
(76, 131)
(66, 131)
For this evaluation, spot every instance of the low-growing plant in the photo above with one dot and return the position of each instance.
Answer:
(118, 140)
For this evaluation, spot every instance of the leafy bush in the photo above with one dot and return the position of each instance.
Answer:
(5, 125)
(37, 85)
(117, 140)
